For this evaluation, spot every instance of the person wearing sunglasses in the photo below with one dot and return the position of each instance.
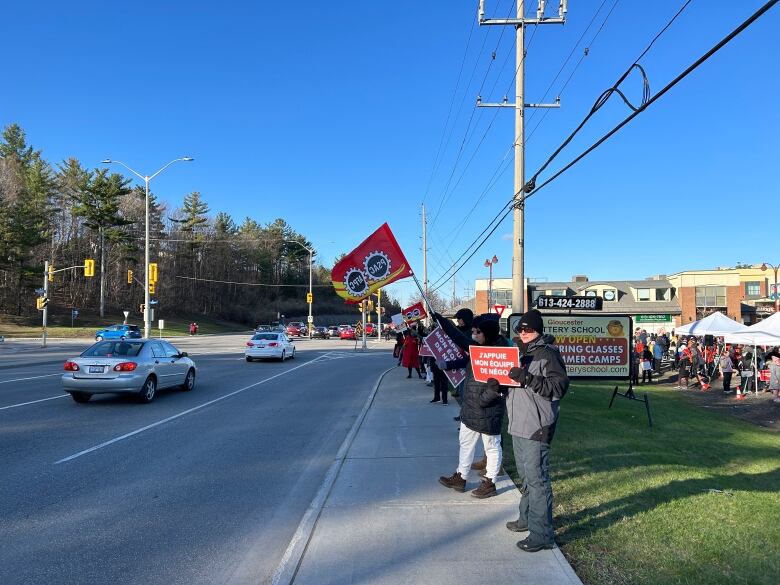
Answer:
(533, 413)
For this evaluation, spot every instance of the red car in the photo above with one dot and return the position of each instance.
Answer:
(296, 329)
(347, 333)
(370, 329)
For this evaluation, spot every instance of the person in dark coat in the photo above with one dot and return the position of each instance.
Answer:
(481, 412)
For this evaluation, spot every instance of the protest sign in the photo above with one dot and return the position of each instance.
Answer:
(425, 351)
(443, 348)
(414, 313)
(494, 362)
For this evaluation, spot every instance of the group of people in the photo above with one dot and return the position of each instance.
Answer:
(531, 408)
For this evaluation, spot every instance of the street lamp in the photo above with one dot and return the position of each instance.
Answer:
(489, 264)
(764, 266)
(311, 254)
(146, 179)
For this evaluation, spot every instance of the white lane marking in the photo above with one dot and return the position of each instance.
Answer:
(30, 378)
(175, 416)
(33, 402)
(292, 557)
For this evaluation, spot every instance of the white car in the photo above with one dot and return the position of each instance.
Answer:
(273, 344)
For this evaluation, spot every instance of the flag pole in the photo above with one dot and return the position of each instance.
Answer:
(425, 299)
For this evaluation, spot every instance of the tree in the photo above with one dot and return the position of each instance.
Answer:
(98, 204)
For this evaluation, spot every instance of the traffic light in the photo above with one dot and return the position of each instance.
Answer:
(309, 298)
(151, 288)
(360, 306)
(370, 305)
(152, 274)
(51, 273)
(89, 267)
(129, 277)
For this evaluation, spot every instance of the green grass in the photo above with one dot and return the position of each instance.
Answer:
(87, 325)
(634, 504)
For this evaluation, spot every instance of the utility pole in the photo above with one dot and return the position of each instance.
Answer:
(379, 314)
(45, 296)
(425, 262)
(453, 285)
(520, 22)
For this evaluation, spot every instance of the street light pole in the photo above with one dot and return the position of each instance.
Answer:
(310, 324)
(764, 266)
(489, 264)
(146, 179)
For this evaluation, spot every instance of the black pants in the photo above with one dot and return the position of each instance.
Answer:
(647, 375)
(417, 370)
(439, 384)
(727, 381)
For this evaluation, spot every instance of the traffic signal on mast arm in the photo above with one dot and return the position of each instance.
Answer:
(151, 288)
(129, 277)
(89, 267)
(370, 305)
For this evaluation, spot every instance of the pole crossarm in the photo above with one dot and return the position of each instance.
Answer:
(506, 104)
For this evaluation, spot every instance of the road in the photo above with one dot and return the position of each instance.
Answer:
(201, 487)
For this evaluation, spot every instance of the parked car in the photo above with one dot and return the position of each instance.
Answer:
(269, 345)
(128, 367)
(295, 329)
(370, 329)
(347, 333)
(320, 333)
(119, 332)
(262, 328)
(334, 330)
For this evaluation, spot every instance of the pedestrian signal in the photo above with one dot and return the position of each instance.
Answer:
(51, 273)
(152, 273)
(129, 277)
(151, 288)
(89, 267)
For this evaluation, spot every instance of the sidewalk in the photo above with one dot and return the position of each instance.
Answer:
(387, 520)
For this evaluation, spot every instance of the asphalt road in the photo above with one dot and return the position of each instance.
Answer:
(201, 487)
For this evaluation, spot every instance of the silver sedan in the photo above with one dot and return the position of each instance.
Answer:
(138, 367)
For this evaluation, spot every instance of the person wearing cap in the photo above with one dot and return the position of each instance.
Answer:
(482, 408)
(533, 415)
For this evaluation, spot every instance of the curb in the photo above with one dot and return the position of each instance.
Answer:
(291, 559)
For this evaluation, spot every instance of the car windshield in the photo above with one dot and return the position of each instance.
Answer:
(114, 349)
(266, 336)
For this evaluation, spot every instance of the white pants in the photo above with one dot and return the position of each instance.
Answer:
(468, 444)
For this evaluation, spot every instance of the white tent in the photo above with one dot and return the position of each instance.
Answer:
(716, 324)
(766, 332)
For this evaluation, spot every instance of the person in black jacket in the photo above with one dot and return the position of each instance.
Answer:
(481, 412)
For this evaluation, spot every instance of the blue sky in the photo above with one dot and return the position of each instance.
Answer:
(330, 115)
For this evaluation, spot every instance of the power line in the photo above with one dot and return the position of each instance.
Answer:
(504, 212)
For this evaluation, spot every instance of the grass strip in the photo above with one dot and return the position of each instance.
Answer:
(695, 499)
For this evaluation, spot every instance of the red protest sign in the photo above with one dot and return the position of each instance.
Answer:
(425, 351)
(414, 313)
(443, 348)
(494, 362)
(376, 262)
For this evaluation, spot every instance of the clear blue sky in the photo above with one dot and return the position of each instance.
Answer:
(330, 115)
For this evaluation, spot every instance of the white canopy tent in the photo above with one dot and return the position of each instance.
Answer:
(716, 324)
(766, 332)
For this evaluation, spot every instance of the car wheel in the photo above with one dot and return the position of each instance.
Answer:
(249, 359)
(98, 338)
(122, 338)
(148, 391)
(292, 355)
(189, 381)
(80, 397)
(283, 357)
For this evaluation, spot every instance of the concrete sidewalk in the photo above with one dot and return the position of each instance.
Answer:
(387, 520)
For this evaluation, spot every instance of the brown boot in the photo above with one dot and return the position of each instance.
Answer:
(455, 481)
(481, 464)
(485, 490)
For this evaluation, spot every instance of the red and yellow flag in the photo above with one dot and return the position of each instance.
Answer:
(375, 263)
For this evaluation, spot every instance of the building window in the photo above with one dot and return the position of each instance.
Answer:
(643, 294)
(590, 293)
(663, 294)
(710, 296)
(502, 297)
(609, 294)
(558, 292)
(753, 290)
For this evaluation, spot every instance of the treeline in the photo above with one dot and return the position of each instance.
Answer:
(208, 265)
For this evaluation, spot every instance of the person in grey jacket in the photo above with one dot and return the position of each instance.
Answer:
(533, 415)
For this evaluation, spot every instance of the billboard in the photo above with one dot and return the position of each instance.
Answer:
(591, 345)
